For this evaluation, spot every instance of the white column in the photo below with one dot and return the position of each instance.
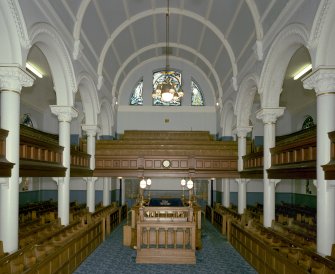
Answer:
(123, 194)
(12, 79)
(91, 131)
(209, 194)
(226, 200)
(323, 81)
(90, 193)
(106, 192)
(65, 114)
(242, 194)
(242, 144)
(269, 117)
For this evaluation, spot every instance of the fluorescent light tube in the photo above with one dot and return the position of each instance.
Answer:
(34, 70)
(302, 72)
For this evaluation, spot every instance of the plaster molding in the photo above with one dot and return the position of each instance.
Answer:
(90, 129)
(77, 50)
(58, 46)
(241, 181)
(21, 30)
(318, 24)
(13, 77)
(243, 131)
(270, 115)
(275, 65)
(64, 113)
(322, 80)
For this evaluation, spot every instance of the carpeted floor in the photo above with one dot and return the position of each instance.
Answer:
(216, 256)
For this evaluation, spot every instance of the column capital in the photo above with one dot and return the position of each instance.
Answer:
(90, 179)
(269, 115)
(242, 181)
(64, 113)
(243, 131)
(90, 129)
(13, 78)
(322, 80)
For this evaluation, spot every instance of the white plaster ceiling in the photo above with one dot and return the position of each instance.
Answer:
(117, 34)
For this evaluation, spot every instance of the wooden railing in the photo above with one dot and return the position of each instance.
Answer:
(185, 151)
(294, 156)
(166, 235)
(80, 164)
(5, 166)
(40, 154)
(253, 165)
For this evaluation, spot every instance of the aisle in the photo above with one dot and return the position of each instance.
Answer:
(216, 256)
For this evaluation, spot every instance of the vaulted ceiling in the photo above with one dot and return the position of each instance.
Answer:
(217, 36)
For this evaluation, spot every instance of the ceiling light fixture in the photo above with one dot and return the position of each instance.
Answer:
(302, 71)
(167, 90)
(34, 70)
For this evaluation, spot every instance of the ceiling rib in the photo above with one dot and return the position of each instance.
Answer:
(190, 14)
(175, 45)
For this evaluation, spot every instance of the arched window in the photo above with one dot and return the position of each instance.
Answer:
(158, 78)
(136, 97)
(197, 98)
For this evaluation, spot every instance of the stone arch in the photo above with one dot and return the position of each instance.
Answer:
(227, 118)
(286, 43)
(14, 34)
(245, 98)
(47, 39)
(89, 98)
(322, 37)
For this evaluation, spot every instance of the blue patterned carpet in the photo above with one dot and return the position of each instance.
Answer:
(216, 256)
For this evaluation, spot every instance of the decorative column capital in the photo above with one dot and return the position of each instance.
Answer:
(243, 131)
(322, 80)
(90, 129)
(240, 181)
(64, 113)
(13, 78)
(90, 179)
(269, 115)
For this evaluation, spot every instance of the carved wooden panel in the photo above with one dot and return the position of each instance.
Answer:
(40, 154)
(294, 156)
(143, 152)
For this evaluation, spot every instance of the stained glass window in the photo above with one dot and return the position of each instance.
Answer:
(158, 78)
(308, 122)
(197, 98)
(136, 97)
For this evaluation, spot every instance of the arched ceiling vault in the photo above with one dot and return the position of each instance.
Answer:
(218, 35)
